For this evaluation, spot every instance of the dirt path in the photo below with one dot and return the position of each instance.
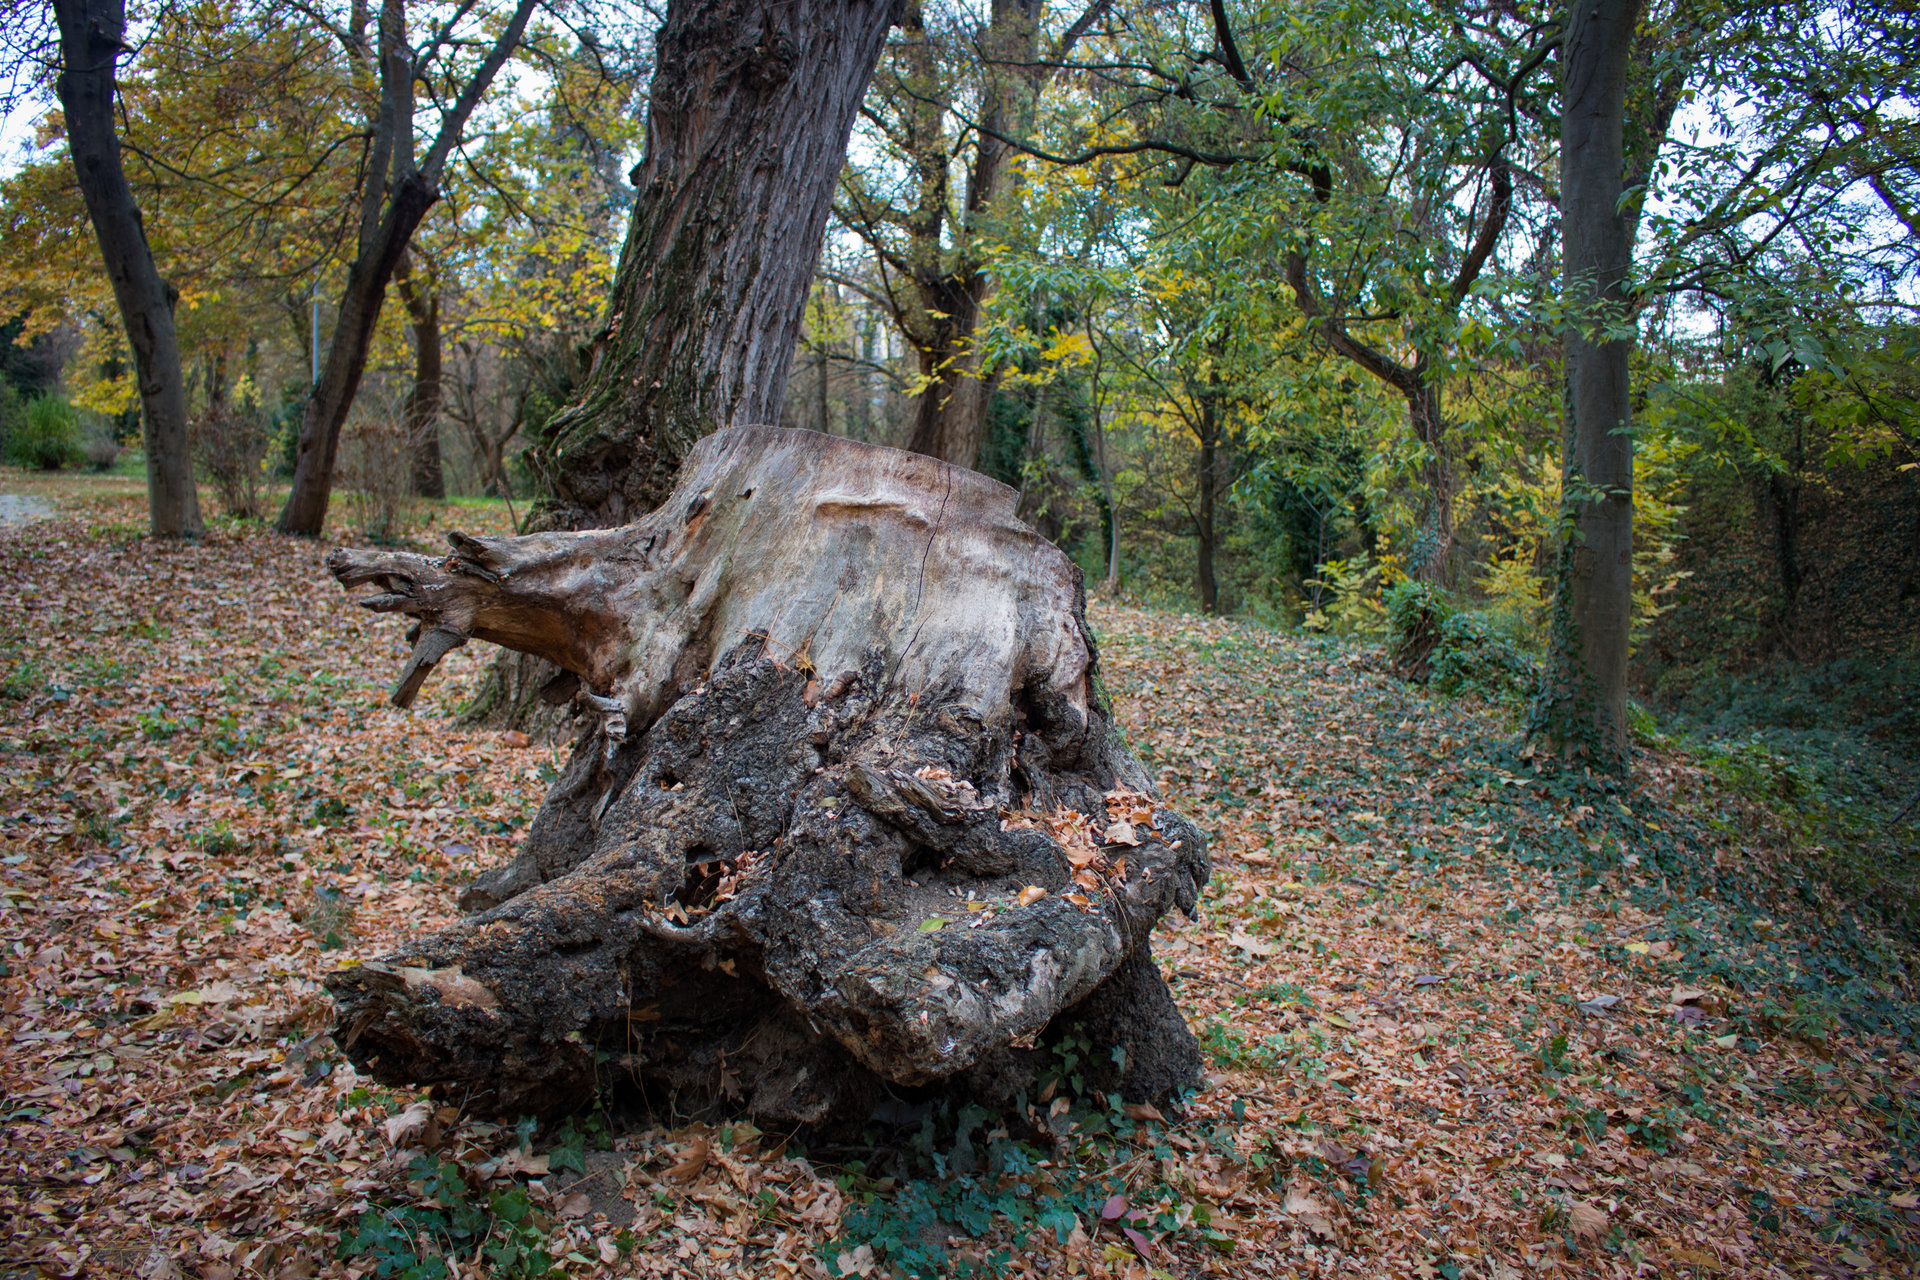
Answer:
(19, 509)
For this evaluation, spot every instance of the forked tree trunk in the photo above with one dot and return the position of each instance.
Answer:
(396, 196)
(847, 814)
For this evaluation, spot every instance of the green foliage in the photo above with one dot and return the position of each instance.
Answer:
(969, 1174)
(450, 1219)
(19, 679)
(46, 435)
(1455, 649)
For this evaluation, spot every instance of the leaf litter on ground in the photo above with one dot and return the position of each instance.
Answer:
(1462, 1018)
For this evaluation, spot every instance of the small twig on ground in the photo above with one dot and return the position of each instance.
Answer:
(1898, 817)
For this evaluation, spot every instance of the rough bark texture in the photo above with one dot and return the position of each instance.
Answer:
(92, 37)
(1582, 710)
(750, 108)
(845, 727)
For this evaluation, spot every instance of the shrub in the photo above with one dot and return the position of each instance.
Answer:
(1474, 657)
(1456, 650)
(231, 440)
(98, 445)
(1346, 599)
(1416, 611)
(46, 437)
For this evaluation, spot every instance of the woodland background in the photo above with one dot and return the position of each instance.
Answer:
(1119, 335)
(1072, 249)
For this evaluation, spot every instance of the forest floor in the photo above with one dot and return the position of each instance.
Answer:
(1463, 1018)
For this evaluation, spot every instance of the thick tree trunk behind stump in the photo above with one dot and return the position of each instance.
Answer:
(844, 727)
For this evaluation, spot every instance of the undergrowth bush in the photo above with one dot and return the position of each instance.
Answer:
(1346, 598)
(968, 1174)
(452, 1219)
(45, 436)
(1455, 649)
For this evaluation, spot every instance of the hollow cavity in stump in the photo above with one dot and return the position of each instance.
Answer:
(847, 815)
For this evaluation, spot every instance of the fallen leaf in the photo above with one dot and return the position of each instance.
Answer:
(1251, 945)
(1309, 1213)
(1143, 1111)
(523, 1163)
(1031, 894)
(1121, 833)
(856, 1262)
(407, 1128)
(1588, 1220)
(691, 1165)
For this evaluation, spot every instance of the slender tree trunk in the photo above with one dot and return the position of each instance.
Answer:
(1582, 709)
(422, 300)
(821, 392)
(1109, 518)
(1433, 558)
(1031, 493)
(860, 400)
(1203, 520)
(92, 38)
(398, 194)
(751, 105)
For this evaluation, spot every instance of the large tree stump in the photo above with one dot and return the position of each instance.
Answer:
(844, 728)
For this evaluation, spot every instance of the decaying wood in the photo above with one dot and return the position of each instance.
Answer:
(843, 729)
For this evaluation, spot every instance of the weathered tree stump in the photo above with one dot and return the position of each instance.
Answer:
(845, 728)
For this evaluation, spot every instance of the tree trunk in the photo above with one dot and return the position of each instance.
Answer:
(1582, 708)
(1109, 517)
(1203, 523)
(751, 106)
(821, 392)
(848, 815)
(860, 399)
(397, 196)
(92, 38)
(423, 401)
(950, 416)
(951, 285)
(1432, 559)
